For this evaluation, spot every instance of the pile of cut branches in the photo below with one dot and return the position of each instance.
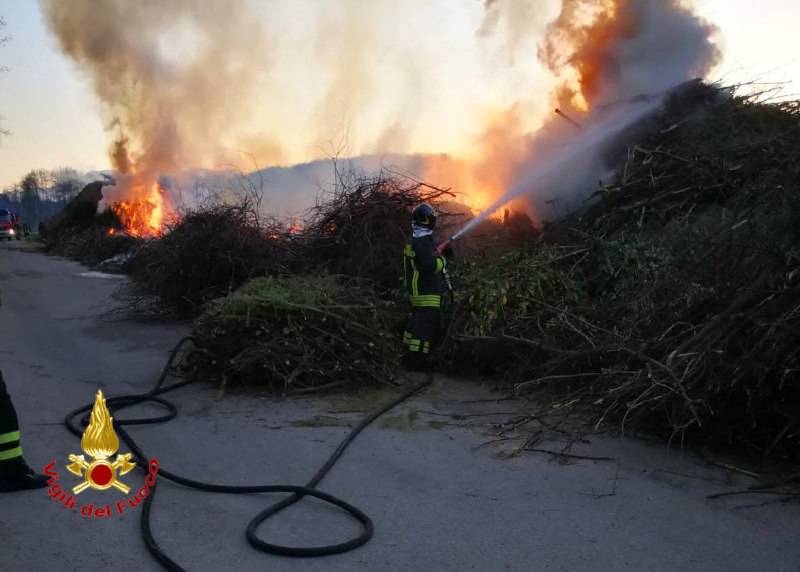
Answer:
(80, 233)
(692, 158)
(90, 246)
(292, 310)
(296, 334)
(78, 214)
(206, 254)
(675, 302)
(359, 229)
(356, 231)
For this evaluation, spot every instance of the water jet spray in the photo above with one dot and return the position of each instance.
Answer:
(572, 164)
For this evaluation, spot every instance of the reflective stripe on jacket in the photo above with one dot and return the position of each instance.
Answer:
(422, 273)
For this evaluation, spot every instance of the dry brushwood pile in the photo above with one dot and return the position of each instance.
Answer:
(324, 317)
(90, 245)
(212, 251)
(358, 230)
(80, 233)
(296, 334)
(674, 302)
(208, 253)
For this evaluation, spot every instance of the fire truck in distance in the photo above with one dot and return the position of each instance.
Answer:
(10, 225)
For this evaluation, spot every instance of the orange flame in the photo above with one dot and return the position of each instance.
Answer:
(487, 173)
(145, 214)
(583, 45)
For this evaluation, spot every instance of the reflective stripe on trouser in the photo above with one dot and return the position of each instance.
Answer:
(11, 437)
(9, 427)
(416, 345)
(9, 454)
(9, 446)
(422, 330)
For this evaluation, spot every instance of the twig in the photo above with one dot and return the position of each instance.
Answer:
(569, 455)
(736, 469)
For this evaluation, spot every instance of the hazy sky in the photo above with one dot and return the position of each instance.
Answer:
(54, 118)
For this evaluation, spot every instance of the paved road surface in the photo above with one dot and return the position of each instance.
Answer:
(440, 502)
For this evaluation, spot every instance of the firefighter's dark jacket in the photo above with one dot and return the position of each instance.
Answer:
(423, 272)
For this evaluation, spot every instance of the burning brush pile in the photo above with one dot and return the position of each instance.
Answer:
(294, 307)
(288, 306)
(212, 251)
(321, 311)
(674, 302)
(671, 303)
(78, 232)
(93, 229)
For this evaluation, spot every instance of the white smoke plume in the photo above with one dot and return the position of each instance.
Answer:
(244, 84)
(607, 53)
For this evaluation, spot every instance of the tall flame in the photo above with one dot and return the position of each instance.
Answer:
(143, 214)
(99, 439)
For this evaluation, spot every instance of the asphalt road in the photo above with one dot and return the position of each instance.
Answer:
(440, 500)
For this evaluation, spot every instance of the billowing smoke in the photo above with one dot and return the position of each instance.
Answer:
(627, 47)
(461, 87)
(173, 80)
(245, 84)
(607, 54)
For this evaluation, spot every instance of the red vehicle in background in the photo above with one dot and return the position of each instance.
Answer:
(10, 225)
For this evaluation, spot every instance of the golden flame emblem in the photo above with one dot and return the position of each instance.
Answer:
(101, 442)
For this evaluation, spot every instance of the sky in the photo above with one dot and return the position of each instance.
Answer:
(55, 119)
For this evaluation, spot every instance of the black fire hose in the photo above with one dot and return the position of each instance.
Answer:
(296, 492)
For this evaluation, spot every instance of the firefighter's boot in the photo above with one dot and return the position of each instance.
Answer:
(16, 475)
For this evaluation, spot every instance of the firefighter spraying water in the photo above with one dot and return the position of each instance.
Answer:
(425, 277)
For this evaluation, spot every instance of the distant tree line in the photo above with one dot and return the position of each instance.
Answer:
(41, 194)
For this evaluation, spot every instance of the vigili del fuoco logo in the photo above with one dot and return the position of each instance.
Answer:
(99, 471)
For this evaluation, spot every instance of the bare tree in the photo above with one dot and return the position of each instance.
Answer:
(65, 185)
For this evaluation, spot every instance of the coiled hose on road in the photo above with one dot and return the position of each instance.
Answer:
(177, 356)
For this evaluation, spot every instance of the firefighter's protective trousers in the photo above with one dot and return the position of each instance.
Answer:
(423, 282)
